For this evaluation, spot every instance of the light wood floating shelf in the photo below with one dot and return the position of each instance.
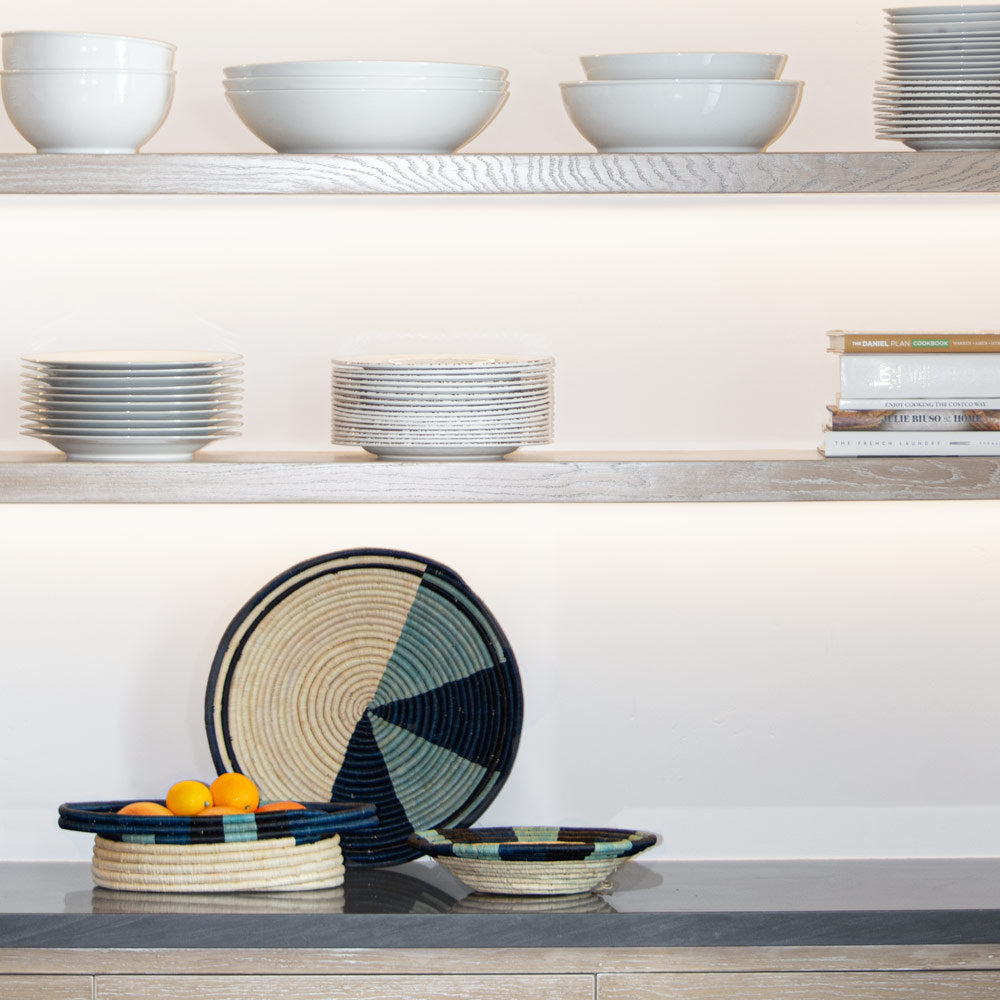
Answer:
(484, 173)
(528, 477)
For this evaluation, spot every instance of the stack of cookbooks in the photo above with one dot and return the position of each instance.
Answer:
(915, 394)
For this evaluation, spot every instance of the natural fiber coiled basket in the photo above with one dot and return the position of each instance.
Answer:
(279, 851)
(264, 865)
(370, 675)
(532, 860)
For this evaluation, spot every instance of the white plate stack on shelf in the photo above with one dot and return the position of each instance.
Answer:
(139, 406)
(942, 85)
(435, 406)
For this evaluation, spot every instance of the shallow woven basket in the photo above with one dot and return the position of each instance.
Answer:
(368, 675)
(531, 878)
(532, 860)
(316, 822)
(268, 865)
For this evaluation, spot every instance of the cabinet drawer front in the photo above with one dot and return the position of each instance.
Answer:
(46, 987)
(571, 987)
(801, 986)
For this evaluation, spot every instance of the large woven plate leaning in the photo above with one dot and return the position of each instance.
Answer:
(368, 675)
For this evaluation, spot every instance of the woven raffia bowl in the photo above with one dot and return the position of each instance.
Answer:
(368, 675)
(532, 860)
(281, 851)
(264, 865)
(316, 822)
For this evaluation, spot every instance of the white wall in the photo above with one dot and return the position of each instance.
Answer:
(749, 680)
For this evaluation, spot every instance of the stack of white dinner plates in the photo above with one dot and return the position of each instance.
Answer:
(140, 406)
(942, 86)
(431, 406)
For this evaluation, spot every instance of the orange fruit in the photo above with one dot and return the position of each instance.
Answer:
(144, 809)
(221, 811)
(236, 790)
(279, 807)
(188, 798)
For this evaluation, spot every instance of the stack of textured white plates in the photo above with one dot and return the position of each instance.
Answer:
(140, 406)
(942, 86)
(428, 406)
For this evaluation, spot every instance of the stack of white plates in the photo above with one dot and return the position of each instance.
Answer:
(142, 406)
(428, 406)
(942, 86)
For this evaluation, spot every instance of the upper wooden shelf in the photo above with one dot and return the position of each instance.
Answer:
(484, 173)
(526, 477)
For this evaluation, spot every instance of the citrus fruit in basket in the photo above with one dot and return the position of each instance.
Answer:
(221, 811)
(144, 809)
(278, 806)
(236, 790)
(188, 798)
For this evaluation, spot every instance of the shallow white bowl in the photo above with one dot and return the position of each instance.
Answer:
(87, 111)
(692, 116)
(684, 66)
(363, 83)
(365, 67)
(83, 50)
(366, 121)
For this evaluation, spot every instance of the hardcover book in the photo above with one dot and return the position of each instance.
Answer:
(943, 342)
(918, 403)
(901, 443)
(898, 376)
(906, 420)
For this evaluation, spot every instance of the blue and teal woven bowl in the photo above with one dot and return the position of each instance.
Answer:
(318, 821)
(531, 860)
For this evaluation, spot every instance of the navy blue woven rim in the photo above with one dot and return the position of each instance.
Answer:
(318, 821)
(360, 778)
(507, 843)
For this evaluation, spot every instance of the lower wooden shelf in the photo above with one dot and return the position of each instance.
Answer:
(528, 477)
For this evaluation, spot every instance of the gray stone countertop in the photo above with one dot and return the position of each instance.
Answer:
(418, 905)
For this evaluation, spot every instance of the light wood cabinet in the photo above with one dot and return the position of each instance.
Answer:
(495, 987)
(957, 985)
(46, 988)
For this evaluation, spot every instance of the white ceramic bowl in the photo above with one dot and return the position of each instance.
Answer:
(366, 121)
(87, 111)
(684, 66)
(365, 67)
(83, 50)
(691, 116)
(363, 83)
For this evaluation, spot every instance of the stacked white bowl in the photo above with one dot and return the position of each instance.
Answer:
(691, 102)
(75, 92)
(942, 84)
(153, 406)
(428, 406)
(365, 106)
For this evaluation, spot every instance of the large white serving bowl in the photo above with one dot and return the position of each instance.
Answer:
(365, 67)
(691, 116)
(684, 66)
(87, 111)
(366, 121)
(83, 50)
(363, 83)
